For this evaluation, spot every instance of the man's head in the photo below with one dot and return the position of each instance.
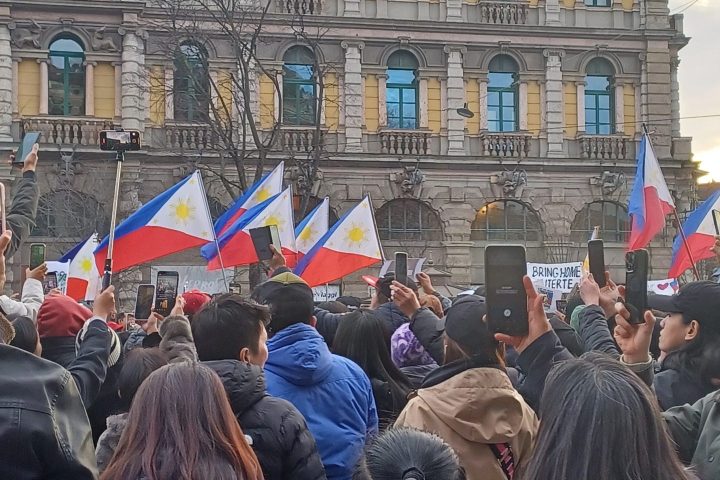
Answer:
(290, 300)
(230, 328)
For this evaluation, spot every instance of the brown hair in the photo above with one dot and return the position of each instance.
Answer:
(181, 427)
(433, 304)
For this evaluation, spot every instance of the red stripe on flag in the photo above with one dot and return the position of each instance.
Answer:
(76, 288)
(700, 245)
(232, 220)
(655, 211)
(329, 265)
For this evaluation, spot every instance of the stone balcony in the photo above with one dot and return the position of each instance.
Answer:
(81, 131)
(503, 13)
(299, 139)
(405, 142)
(505, 144)
(606, 147)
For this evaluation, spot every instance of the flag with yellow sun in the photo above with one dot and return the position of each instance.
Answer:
(350, 245)
(312, 228)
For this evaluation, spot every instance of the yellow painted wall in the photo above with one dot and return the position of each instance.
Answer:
(571, 120)
(224, 94)
(372, 116)
(472, 97)
(629, 114)
(157, 95)
(434, 107)
(533, 3)
(627, 5)
(29, 87)
(534, 108)
(267, 102)
(104, 90)
(569, 3)
(332, 101)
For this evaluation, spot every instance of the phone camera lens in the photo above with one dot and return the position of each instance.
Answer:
(507, 313)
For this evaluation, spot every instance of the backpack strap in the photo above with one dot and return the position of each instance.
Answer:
(504, 456)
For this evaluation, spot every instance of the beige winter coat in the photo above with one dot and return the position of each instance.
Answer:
(472, 409)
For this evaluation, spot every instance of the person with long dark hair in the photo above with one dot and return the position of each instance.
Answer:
(181, 427)
(360, 337)
(616, 427)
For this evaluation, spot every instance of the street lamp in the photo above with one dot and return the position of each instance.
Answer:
(465, 112)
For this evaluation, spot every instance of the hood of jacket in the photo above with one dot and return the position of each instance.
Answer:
(299, 355)
(391, 315)
(244, 383)
(479, 404)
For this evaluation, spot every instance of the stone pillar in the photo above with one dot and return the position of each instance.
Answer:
(133, 80)
(483, 104)
(353, 95)
(580, 10)
(552, 13)
(169, 86)
(457, 260)
(455, 99)
(90, 89)
(352, 8)
(277, 107)
(618, 14)
(423, 94)
(382, 101)
(554, 102)
(643, 88)
(523, 106)
(580, 89)
(675, 96)
(454, 11)
(15, 85)
(619, 91)
(658, 87)
(381, 9)
(117, 66)
(43, 107)
(214, 97)
(6, 85)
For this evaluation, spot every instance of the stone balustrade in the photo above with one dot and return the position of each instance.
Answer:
(67, 130)
(405, 142)
(189, 136)
(605, 147)
(505, 13)
(506, 144)
(301, 7)
(299, 140)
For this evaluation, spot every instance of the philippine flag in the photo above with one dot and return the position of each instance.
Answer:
(700, 230)
(350, 245)
(83, 280)
(268, 186)
(650, 199)
(236, 246)
(312, 228)
(174, 221)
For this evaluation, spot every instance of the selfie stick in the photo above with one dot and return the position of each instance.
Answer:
(215, 238)
(107, 274)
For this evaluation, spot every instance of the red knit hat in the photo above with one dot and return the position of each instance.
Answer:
(61, 316)
(195, 300)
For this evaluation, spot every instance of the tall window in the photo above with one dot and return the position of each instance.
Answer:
(67, 213)
(599, 104)
(597, 3)
(502, 98)
(506, 220)
(407, 219)
(299, 87)
(66, 77)
(402, 91)
(611, 217)
(191, 92)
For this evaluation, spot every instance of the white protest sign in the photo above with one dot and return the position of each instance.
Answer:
(667, 287)
(555, 276)
(551, 298)
(196, 277)
(326, 293)
(61, 273)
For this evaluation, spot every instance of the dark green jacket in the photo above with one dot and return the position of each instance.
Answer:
(21, 216)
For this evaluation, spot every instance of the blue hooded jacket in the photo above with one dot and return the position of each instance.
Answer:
(333, 394)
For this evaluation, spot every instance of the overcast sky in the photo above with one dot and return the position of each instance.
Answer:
(700, 79)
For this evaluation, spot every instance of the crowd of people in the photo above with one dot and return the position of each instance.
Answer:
(415, 387)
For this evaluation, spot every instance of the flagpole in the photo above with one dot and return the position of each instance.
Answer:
(677, 221)
(215, 238)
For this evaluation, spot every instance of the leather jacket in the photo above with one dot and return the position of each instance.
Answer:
(44, 429)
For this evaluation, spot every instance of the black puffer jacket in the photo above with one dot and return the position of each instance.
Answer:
(280, 438)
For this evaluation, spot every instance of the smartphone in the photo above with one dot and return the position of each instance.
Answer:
(505, 267)
(120, 140)
(30, 139)
(144, 301)
(262, 238)
(596, 255)
(401, 267)
(166, 291)
(716, 221)
(50, 282)
(636, 278)
(37, 255)
(561, 306)
(3, 217)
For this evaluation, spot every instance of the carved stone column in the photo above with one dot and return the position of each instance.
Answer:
(554, 102)
(455, 99)
(353, 96)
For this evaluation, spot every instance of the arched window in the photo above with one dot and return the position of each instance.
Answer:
(66, 77)
(313, 202)
(502, 97)
(299, 87)
(66, 213)
(506, 220)
(611, 217)
(191, 89)
(407, 219)
(599, 98)
(402, 91)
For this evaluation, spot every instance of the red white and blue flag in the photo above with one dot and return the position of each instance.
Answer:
(174, 221)
(700, 231)
(83, 280)
(650, 199)
(236, 246)
(350, 245)
(312, 228)
(268, 186)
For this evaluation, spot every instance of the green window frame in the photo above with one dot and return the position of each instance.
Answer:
(506, 220)
(401, 91)
(408, 219)
(597, 3)
(599, 98)
(502, 96)
(191, 84)
(611, 217)
(299, 88)
(66, 77)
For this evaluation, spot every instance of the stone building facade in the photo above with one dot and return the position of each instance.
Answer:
(559, 90)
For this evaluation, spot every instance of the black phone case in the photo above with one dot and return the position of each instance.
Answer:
(262, 239)
(165, 301)
(596, 255)
(505, 294)
(636, 278)
(401, 268)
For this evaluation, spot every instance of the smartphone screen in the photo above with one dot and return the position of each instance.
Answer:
(30, 139)
(37, 255)
(50, 282)
(596, 255)
(144, 301)
(262, 238)
(505, 267)
(166, 291)
(636, 278)
(401, 267)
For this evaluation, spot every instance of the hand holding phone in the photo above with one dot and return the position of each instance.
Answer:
(262, 238)
(596, 257)
(507, 301)
(401, 267)
(37, 255)
(166, 292)
(144, 302)
(28, 142)
(636, 278)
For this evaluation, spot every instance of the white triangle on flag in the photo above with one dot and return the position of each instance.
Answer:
(186, 211)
